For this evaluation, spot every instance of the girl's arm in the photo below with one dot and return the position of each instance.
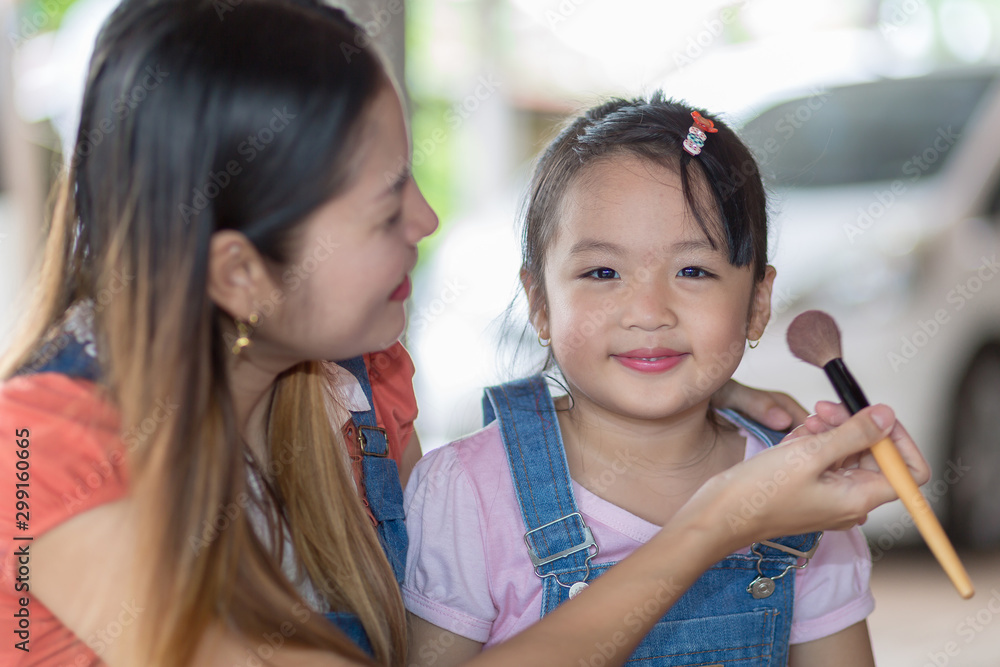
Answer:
(411, 454)
(851, 646)
(431, 645)
(814, 494)
(86, 591)
(773, 409)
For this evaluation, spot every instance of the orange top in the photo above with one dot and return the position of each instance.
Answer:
(73, 463)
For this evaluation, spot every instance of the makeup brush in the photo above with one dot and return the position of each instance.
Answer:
(814, 338)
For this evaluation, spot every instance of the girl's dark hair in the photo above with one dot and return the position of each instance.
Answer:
(653, 129)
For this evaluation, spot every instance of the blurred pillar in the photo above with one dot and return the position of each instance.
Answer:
(383, 21)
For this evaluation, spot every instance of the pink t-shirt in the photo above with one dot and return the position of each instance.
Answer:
(468, 571)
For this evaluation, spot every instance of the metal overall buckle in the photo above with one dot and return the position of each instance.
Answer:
(762, 586)
(588, 541)
(363, 441)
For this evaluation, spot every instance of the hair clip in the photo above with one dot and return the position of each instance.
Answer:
(696, 133)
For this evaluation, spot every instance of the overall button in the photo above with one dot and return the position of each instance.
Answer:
(761, 587)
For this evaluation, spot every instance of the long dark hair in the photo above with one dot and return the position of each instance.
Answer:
(200, 116)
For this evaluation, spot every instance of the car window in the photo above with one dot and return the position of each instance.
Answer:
(875, 131)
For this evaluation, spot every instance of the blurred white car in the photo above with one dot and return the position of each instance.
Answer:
(887, 216)
(886, 198)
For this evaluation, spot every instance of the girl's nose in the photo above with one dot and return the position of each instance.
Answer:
(648, 306)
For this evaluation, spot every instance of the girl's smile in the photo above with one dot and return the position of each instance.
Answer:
(646, 314)
(646, 360)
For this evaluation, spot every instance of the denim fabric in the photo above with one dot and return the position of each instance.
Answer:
(64, 355)
(351, 626)
(381, 475)
(716, 622)
(67, 354)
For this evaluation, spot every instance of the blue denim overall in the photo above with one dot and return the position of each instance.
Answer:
(737, 614)
(68, 355)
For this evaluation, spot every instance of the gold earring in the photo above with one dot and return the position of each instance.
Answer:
(544, 342)
(245, 331)
(753, 343)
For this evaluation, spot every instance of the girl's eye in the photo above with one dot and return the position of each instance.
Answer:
(602, 274)
(693, 272)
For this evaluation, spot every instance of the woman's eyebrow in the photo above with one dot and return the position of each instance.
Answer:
(395, 183)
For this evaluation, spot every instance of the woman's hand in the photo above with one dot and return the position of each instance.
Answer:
(805, 483)
(773, 409)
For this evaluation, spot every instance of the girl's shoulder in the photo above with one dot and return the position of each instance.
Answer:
(475, 460)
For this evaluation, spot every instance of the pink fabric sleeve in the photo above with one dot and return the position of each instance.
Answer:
(447, 582)
(832, 593)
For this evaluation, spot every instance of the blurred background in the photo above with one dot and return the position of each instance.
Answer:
(876, 125)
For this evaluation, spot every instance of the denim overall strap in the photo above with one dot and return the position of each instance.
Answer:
(716, 621)
(381, 476)
(558, 540)
(802, 543)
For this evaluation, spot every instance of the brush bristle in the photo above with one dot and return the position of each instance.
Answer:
(814, 338)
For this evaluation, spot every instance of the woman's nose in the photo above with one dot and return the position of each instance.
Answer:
(422, 220)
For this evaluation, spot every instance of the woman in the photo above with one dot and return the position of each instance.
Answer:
(244, 222)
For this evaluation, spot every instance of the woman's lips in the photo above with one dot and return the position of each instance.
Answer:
(401, 292)
(650, 360)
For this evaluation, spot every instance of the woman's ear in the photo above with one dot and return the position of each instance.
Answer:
(760, 304)
(236, 274)
(536, 305)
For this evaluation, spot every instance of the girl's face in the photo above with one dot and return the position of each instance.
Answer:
(646, 319)
(344, 293)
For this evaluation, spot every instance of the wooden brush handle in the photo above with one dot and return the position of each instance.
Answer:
(895, 470)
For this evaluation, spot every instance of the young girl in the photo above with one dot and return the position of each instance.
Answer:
(645, 271)
(173, 432)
